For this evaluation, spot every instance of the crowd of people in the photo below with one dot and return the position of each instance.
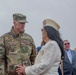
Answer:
(19, 55)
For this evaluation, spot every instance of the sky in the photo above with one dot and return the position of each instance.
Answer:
(61, 11)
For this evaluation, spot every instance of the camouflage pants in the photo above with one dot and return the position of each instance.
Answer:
(1, 69)
(10, 73)
(7, 74)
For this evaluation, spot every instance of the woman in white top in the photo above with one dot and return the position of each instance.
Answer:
(48, 58)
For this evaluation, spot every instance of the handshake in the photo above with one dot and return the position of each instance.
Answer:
(20, 70)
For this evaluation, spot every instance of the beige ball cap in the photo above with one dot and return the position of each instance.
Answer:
(52, 23)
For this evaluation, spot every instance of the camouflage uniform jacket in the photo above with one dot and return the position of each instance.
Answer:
(15, 50)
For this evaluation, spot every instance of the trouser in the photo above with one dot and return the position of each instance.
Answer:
(72, 73)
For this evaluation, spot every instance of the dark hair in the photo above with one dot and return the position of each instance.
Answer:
(54, 34)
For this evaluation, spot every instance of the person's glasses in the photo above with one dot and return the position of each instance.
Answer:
(66, 43)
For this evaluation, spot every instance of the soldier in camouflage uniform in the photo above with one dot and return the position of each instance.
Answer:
(16, 47)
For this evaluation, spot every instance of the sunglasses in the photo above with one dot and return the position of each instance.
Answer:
(66, 43)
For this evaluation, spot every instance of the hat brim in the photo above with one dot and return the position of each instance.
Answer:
(22, 21)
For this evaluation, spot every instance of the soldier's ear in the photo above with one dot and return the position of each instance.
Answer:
(15, 22)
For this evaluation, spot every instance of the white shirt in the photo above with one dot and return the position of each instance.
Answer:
(69, 55)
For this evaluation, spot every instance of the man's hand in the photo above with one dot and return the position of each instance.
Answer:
(21, 70)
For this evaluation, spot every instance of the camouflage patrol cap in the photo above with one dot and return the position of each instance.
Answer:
(20, 18)
(52, 23)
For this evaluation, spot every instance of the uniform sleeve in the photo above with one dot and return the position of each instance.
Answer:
(2, 50)
(33, 53)
(46, 62)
